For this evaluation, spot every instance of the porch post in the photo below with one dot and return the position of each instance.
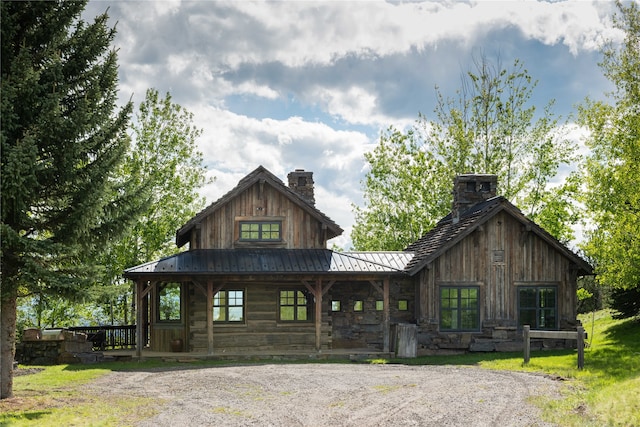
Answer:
(385, 320)
(318, 295)
(139, 317)
(210, 317)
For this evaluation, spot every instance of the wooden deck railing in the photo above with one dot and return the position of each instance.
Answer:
(114, 336)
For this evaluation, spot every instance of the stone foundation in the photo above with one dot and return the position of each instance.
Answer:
(496, 335)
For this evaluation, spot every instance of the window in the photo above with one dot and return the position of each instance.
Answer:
(295, 306)
(335, 305)
(358, 305)
(379, 305)
(169, 302)
(403, 305)
(263, 231)
(459, 308)
(228, 306)
(537, 307)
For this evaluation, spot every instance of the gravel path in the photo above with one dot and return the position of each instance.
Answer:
(335, 395)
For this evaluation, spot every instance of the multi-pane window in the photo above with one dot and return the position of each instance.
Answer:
(169, 302)
(263, 231)
(228, 306)
(537, 307)
(459, 308)
(294, 306)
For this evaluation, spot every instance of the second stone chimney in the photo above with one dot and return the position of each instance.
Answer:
(301, 182)
(471, 189)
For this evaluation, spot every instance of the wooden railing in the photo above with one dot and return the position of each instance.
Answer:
(578, 335)
(112, 337)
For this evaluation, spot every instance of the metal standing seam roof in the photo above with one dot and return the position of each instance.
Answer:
(273, 261)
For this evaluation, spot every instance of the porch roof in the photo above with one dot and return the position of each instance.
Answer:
(273, 261)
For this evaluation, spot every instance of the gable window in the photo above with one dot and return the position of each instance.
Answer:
(460, 308)
(228, 306)
(261, 231)
(169, 302)
(294, 306)
(538, 307)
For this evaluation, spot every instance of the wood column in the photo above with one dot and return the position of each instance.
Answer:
(210, 317)
(386, 324)
(141, 313)
(139, 317)
(318, 318)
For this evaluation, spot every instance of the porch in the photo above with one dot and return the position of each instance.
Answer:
(352, 354)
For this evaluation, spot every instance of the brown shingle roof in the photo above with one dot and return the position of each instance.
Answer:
(447, 233)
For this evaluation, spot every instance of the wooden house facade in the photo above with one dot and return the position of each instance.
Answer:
(258, 277)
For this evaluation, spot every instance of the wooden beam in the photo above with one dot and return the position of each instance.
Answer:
(386, 324)
(578, 335)
(317, 291)
(139, 291)
(328, 286)
(318, 295)
(377, 287)
(210, 294)
(199, 286)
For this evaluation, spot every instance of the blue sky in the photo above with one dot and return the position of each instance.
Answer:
(309, 85)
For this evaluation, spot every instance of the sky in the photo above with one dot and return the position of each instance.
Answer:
(310, 85)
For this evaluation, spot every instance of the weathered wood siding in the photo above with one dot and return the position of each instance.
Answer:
(161, 333)
(261, 330)
(259, 202)
(498, 257)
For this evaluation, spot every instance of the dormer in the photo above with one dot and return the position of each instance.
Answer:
(262, 212)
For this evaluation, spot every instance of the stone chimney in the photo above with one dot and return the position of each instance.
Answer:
(302, 183)
(469, 190)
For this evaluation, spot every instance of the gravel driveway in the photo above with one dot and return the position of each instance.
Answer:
(335, 395)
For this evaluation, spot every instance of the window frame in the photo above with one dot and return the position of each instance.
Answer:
(260, 223)
(538, 308)
(296, 306)
(160, 287)
(227, 306)
(459, 309)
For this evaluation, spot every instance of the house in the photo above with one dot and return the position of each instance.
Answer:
(258, 277)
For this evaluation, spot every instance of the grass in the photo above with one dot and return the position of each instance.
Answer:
(605, 393)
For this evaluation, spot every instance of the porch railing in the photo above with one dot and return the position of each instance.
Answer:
(108, 336)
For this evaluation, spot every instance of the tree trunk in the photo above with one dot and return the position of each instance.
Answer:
(7, 343)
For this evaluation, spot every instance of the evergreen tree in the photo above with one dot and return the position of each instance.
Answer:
(62, 136)
(164, 158)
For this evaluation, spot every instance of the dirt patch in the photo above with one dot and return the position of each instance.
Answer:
(335, 395)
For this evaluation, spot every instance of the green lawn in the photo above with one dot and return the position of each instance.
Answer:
(605, 392)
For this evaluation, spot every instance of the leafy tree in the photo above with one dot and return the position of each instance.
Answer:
(489, 128)
(613, 166)
(164, 158)
(61, 138)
